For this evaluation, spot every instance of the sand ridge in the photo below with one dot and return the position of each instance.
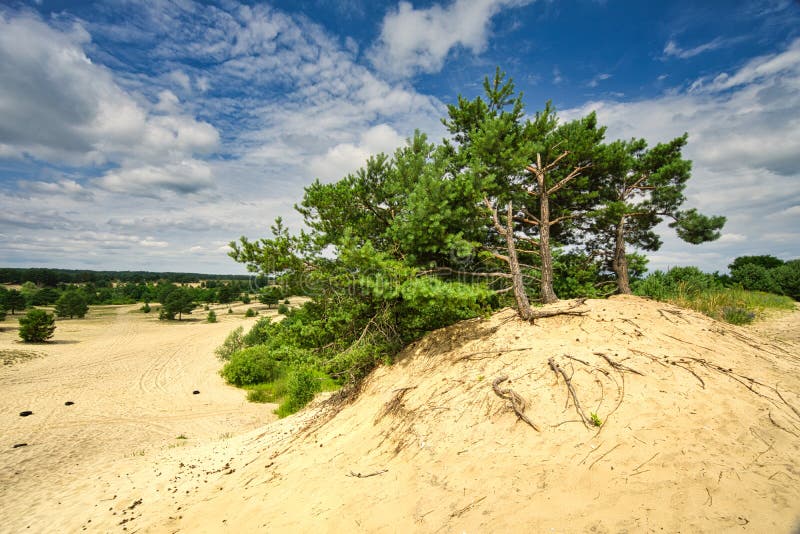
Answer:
(705, 438)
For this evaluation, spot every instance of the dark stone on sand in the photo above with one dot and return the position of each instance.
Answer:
(18, 445)
(68, 403)
(26, 413)
(195, 392)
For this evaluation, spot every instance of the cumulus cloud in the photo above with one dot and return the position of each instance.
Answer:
(59, 188)
(185, 177)
(345, 158)
(57, 105)
(419, 40)
(743, 141)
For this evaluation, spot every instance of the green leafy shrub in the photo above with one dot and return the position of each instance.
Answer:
(2, 314)
(283, 309)
(37, 326)
(250, 312)
(212, 317)
(251, 366)
(233, 343)
(301, 386)
(736, 315)
(146, 307)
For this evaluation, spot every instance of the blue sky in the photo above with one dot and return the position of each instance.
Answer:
(149, 134)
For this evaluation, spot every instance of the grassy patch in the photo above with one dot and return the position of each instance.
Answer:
(14, 356)
(736, 306)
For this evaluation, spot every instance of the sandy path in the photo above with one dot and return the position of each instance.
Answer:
(131, 379)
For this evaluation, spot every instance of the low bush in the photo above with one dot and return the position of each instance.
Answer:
(233, 343)
(252, 365)
(212, 317)
(250, 312)
(283, 309)
(301, 386)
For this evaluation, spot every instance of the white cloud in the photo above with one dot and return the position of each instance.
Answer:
(345, 158)
(671, 49)
(59, 106)
(594, 82)
(744, 141)
(186, 177)
(414, 39)
(60, 188)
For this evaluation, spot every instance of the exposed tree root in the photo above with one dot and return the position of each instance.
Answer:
(395, 405)
(559, 371)
(490, 353)
(540, 314)
(618, 366)
(517, 402)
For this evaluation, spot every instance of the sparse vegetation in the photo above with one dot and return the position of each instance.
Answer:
(283, 309)
(596, 421)
(211, 317)
(250, 312)
(691, 288)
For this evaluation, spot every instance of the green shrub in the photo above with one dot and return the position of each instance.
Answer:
(286, 301)
(283, 309)
(245, 298)
(250, 312)
(260, 332)
(233, 343)
(301, 386)
(36, 326)
(2, 314)
(736, 315)
(146, 307)
(251, 366)
(212, 317)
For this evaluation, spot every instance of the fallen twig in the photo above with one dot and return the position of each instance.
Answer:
(517, 402)
(490, 352)
(458, 513)
(359, 475)
(644, 463)
(604, 455)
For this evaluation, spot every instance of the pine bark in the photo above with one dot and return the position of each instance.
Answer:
(620, 261)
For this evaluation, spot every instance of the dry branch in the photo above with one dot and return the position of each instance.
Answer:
(517, 402)
(559, 371)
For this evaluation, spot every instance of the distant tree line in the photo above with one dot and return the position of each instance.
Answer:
(105, 292)
(52, 277)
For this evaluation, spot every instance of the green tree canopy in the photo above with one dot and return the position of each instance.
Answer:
(71, 304)
(36, 326)
(640, 187)
(177, 302)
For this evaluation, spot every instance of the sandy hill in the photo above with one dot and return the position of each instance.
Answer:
(700, 433)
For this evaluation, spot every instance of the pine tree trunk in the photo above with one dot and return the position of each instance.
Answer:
(548, 295)
(620, 262)
(523, 304)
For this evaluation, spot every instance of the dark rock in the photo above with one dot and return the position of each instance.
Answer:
(68, 403)
(195, 392)
(26, 413)
(18, 445)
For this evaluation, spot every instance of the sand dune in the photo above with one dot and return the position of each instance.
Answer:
(700, 433)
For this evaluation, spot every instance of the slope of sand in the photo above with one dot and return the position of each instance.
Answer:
(700, 433)
(131, 379)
